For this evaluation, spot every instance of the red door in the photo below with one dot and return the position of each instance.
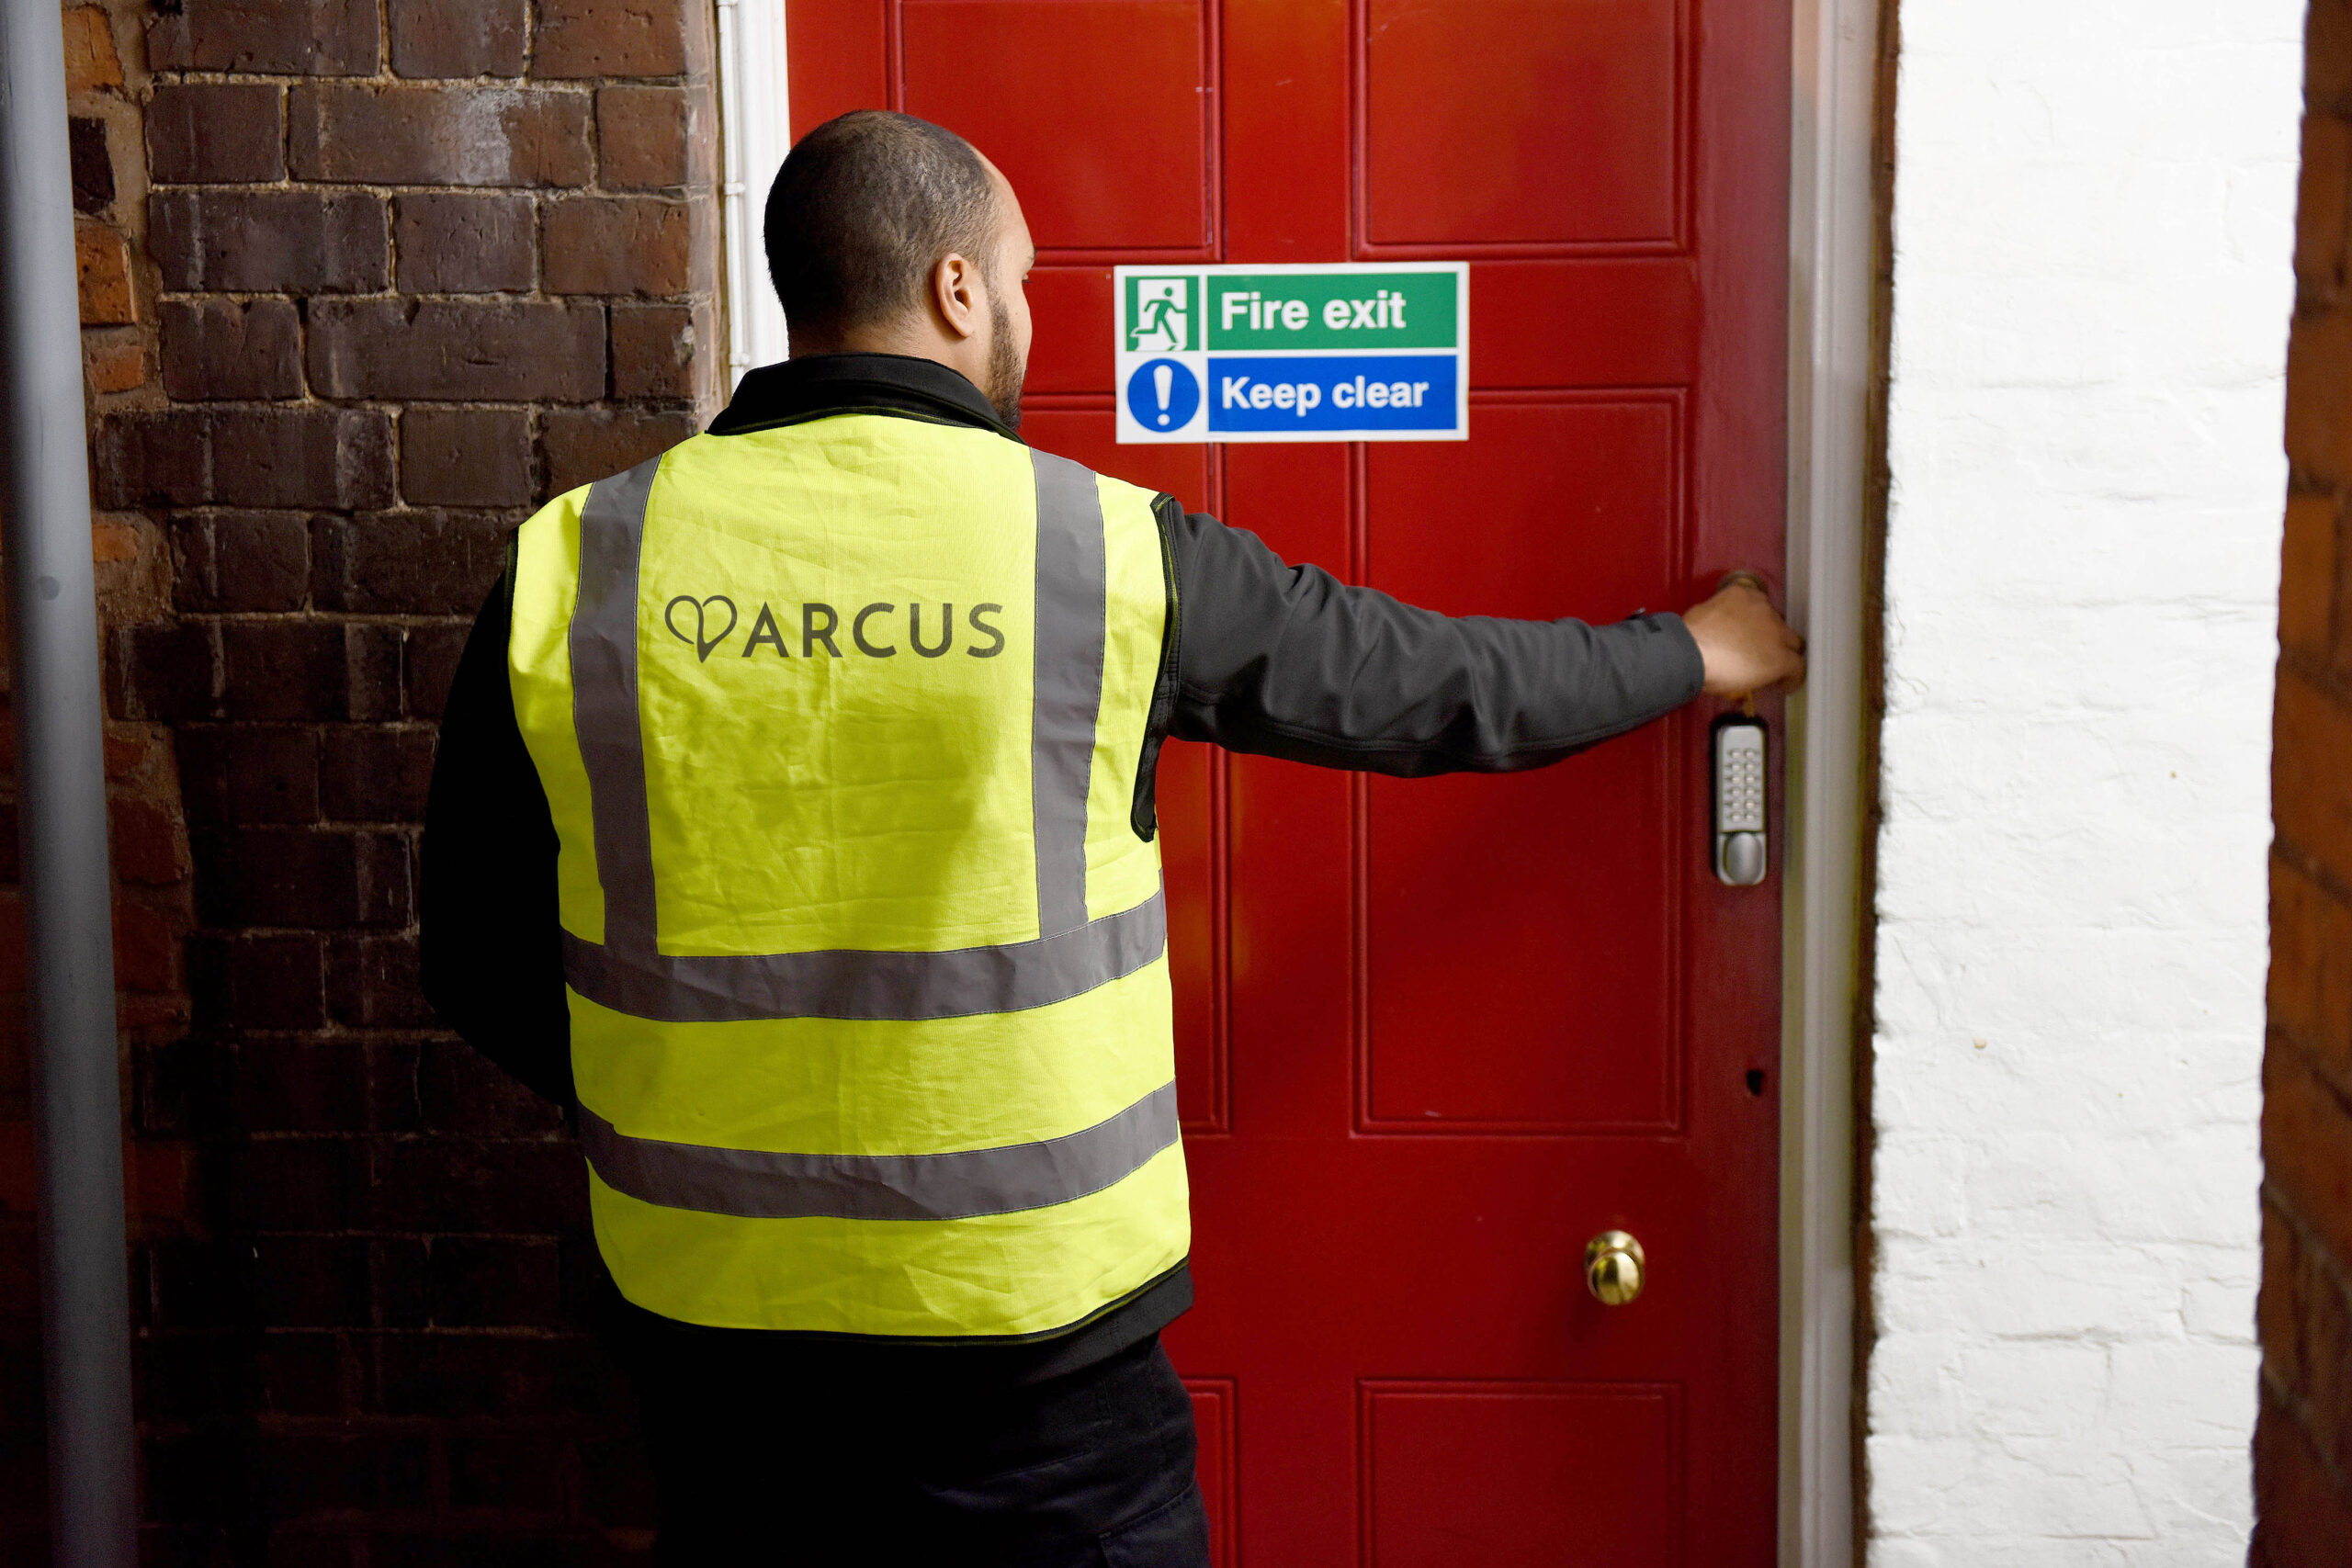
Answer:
(1435, 1035)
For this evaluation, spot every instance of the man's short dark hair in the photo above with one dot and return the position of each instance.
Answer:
(864, 207)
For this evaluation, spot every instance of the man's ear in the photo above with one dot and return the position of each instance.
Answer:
(954, 294)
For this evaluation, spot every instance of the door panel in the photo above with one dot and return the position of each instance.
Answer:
(1503, 1476)
(1462, 951)
(1098, 111)
(1434, 1034)
(1068, 362)
(1213, 1416)
(1460, 947)
(1588, 509)
(1584, 96)
(1191, 811)
(1621, 323)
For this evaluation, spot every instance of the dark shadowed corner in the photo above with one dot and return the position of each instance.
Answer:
(362, 282)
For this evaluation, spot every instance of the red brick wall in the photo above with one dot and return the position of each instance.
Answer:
(363, 282)
(2303, 1443)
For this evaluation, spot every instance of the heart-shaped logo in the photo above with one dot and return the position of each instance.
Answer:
(703, 644)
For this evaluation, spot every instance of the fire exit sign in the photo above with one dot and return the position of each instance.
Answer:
(1340, 352)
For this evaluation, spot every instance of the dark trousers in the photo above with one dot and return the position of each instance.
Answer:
(785, 1455)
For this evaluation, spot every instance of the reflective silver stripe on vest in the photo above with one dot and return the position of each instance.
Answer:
(754, 1185)
(861, 984)
(1069, 683)
(628, 974)
(603, 640)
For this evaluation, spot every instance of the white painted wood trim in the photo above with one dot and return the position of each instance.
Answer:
(755, 131)
(1831, 228)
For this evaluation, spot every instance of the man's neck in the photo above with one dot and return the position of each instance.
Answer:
(914, 339)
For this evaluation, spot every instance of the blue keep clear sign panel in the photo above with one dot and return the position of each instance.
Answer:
(1340, 352)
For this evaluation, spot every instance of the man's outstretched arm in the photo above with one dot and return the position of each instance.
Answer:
(1288, 661)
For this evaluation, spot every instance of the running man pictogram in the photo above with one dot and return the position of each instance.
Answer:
(1161, 322)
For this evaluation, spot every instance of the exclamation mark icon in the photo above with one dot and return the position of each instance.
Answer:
(1163, 379)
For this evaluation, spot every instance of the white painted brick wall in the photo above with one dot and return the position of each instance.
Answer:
(2093, 215)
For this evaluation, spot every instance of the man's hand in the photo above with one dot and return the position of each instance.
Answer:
(1745, 644)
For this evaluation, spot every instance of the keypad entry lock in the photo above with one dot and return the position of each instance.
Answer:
(1739, 801)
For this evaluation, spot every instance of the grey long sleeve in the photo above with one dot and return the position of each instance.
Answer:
(1289, 661)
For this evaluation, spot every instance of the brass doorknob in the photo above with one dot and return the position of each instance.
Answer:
(1614, 1267)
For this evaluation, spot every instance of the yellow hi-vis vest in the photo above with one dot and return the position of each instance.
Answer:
(839, 724)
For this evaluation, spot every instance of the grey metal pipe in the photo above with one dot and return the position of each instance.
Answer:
(62, 813)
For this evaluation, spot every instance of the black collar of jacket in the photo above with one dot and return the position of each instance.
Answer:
(822, 384)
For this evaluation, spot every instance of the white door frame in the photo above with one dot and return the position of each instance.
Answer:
(1831, 228)
(755, 131)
